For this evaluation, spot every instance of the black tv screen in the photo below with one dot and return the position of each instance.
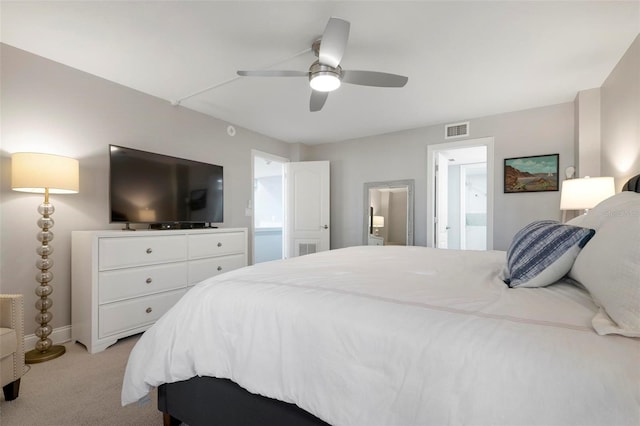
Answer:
(145, 187)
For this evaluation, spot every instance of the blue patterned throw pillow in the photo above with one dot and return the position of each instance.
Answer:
(543, 252)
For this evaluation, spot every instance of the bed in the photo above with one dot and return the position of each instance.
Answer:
(392, 335)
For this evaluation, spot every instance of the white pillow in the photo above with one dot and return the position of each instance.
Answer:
(611, 207)
(609, 266)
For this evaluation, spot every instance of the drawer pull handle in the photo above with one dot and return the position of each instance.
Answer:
(148, 310)
(149, 251)
(219, 244)
(149, 280)
(219, 268)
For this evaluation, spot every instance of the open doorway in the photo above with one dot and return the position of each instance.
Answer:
(460, 195)
(268, 206)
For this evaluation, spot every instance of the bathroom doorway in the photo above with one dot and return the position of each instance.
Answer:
(460, 195)
(268, 206)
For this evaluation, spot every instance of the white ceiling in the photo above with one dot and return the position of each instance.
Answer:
(467, 155)
(463, 59)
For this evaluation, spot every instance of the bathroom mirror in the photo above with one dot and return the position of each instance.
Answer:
(388, 213)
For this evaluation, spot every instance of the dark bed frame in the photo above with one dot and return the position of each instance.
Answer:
(213, 401)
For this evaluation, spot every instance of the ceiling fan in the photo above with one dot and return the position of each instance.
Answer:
(325, 74)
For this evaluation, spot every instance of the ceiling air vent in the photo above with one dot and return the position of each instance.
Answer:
(456, 130)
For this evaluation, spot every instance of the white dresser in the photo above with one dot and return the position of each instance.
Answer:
(123, 281)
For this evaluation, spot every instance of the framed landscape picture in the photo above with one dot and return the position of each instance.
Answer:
(537, 173)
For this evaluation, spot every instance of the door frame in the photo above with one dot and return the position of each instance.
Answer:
(441, 203)
(432, 150)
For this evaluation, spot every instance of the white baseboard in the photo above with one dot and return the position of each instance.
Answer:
(58, 336)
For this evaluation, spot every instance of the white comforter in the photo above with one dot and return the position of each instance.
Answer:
(397, 336)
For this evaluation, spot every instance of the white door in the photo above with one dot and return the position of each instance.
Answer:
(307, 207)
(442, 200)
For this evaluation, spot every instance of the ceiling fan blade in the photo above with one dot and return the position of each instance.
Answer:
(334, 42)
(374, 78)
(317, 100)
(273, 73)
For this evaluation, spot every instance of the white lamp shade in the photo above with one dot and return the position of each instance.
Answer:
(378, 221)
(585, 193)
(34, 172)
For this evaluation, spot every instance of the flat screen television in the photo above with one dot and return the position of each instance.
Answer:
(146, 187)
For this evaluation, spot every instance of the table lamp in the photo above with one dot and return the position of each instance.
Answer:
(585, 193)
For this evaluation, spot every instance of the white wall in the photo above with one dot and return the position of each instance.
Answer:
(51, 108)
(403, 155)
(587, 144)
(620, 109)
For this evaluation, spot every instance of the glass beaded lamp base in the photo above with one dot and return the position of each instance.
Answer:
(34, 356)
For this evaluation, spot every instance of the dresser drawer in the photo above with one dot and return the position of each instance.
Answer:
(137, 251)
(206, 245)
(205, 268)
(120, 284)
(114, 318)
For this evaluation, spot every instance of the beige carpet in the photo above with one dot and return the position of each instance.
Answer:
(78, 389)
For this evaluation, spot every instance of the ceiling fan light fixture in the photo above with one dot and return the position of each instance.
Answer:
(323, 78)
(324, 81)
(325, 74)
